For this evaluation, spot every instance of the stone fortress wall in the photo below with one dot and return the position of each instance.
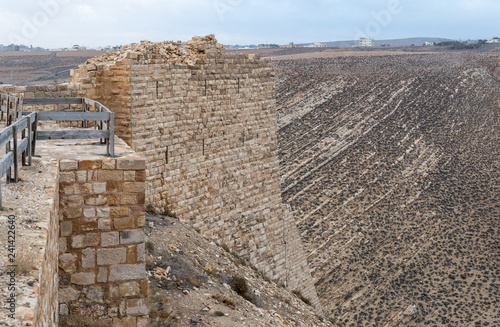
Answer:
(206, 123)
(94, 255)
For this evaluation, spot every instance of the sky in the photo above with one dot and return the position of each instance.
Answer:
(93, 23)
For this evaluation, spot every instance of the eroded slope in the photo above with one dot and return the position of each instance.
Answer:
(391, 165)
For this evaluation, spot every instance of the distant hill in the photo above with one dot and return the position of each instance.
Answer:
(394, 43)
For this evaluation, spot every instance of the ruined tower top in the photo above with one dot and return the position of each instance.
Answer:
(146, 52)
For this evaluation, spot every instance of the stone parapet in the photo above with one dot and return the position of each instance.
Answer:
(102, 269)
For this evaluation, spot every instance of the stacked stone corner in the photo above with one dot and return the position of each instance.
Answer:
(102, 269)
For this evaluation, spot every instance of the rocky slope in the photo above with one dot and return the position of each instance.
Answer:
(194, 282)
(391, 165)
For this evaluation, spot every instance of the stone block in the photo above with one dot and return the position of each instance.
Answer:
(67, 262)
(63, 245)
(131, 164)
(109, 164)
(111, 256)
(63, 309)
(89, 164)
(142, 322)
(128, 199)
(123, 223)
(131, 254)
(89, 212)
(103, 212)
(129, 175)
(141, 252)
(140, 176)
(119, 212)
(102, 275)
(72, 201)
(129, 289)
(83, 278)
(99, 188)
(85, 240)
(134, 187)
(127, 272)
(66, 228)
(141, 198)
(113, 200)
(96, 200)
(110, 239)
(133, 236)
(67, 177)
(84, 225)
(110, 175)
(141, 221)
(124, 322)
(137, 307)
(81, 176)
(68, 165)
(88, 258)
(95, 294)
(145, 287)
(104, 224)
(137, 210)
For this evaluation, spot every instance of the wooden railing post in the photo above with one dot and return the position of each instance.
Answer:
(7, 108)
(23, 158)
(16, 168)
(35, 128)
(30, 138)
(9, 171)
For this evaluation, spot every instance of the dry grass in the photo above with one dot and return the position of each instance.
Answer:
(26, 259)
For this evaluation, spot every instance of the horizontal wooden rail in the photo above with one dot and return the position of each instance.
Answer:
(72, 135)
(73, 115)
(92, 111)
(32, 101)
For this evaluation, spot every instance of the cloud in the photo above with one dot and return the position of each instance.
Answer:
(109, 22)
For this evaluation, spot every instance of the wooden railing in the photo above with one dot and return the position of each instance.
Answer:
(26, 122)
(92, 113)
(23, 147)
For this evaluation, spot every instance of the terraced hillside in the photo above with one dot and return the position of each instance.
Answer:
(391, 164)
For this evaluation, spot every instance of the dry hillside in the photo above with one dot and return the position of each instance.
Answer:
(391, 165)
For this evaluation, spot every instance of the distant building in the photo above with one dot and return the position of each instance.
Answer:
(320, 45)
(291, 45)
(472, 41)
(364, 42)
(494, 40)
(429, 43)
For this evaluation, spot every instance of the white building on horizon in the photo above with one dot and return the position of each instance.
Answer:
(364, 42)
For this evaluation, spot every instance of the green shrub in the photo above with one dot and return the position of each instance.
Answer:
(302, 297)
(240, 286)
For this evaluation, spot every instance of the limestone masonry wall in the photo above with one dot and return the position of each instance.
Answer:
(46, 311)
(102, 255)
(206, 123)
